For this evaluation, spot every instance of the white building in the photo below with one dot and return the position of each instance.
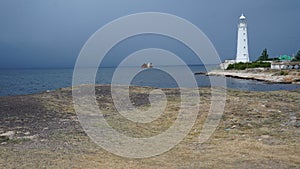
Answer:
(226, 63)
(242, 54)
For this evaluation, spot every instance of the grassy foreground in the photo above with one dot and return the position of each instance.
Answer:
(257, 130)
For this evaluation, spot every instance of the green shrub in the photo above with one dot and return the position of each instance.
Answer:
(243, 66)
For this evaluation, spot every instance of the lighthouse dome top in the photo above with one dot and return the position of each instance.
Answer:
(242, 16)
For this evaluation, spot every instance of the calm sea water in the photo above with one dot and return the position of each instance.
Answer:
(27, 81)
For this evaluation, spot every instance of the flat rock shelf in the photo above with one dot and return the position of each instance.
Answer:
(272, 76)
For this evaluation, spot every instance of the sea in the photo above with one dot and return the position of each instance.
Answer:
(29, 81)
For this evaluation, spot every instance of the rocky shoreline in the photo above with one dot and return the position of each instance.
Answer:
(257, 130)
(271, 76)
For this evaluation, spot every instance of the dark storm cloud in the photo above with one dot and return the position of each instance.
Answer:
(51, 33)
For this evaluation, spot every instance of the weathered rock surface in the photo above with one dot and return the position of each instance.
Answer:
(273, 76)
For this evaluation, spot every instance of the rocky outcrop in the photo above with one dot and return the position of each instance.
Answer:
(273, 76)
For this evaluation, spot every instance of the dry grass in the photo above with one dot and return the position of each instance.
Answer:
(258, 130)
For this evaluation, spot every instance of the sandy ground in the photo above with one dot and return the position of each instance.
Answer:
(257, 130)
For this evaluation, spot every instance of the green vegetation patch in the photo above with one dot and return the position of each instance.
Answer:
(243, 66)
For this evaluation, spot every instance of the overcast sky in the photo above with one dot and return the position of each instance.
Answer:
(45, 34)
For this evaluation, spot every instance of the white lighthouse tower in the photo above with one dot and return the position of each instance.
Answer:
(242, 54)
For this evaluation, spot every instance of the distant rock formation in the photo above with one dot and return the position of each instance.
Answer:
(148, 65)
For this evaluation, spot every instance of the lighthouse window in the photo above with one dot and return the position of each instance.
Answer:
(244, 33)
(244, 40)
(244, 47)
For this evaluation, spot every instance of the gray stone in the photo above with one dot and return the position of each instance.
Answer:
(9, 134)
